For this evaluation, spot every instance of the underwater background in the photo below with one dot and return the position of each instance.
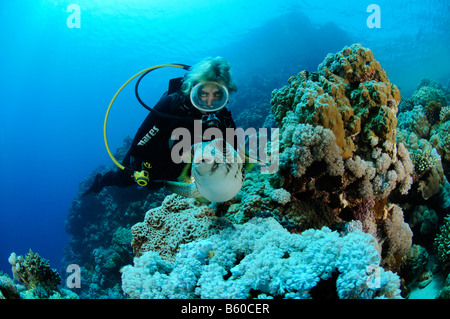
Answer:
(56, 82)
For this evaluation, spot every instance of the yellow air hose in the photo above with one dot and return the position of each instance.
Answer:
(182, 66)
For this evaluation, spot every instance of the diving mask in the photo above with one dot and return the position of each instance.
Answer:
(209, 96)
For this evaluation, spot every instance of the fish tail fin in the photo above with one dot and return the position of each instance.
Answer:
(183, 189)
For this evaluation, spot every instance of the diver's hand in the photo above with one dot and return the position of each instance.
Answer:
(152, 185)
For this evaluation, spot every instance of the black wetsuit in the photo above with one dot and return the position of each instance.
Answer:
(152, 142)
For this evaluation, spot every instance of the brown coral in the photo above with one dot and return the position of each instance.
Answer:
(399, 238)
(433, 111)
(177, 221)
(351, 96)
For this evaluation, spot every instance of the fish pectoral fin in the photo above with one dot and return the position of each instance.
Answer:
(184, 176)
(183, 189)
(202, 200)
(251, 162)
(255, 160)
(249, 166)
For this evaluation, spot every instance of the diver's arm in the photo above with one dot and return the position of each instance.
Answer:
(151, 130)
(152, 120)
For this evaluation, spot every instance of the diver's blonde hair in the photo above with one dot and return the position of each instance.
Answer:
(210, 69)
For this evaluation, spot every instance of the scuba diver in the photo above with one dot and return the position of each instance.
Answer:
(201, 94)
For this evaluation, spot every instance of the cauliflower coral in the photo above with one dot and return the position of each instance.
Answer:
(262, 259)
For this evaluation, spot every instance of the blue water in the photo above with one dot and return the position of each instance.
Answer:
(56, 81)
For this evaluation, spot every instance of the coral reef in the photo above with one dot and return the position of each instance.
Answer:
(445, 292)
(422, 128)
(261, 259)
(8, 289)
(339, 147)
(428, 172)
(440, 139)
(433, 112)
(37, 279)
(34, 272)
(262, 196)
(350, 87)
(429, 118)
(99, 226)
(414, 264)
(360, 172)
(442, 243)
(444, 115)
(425, 218)
(338, 129)
(177, 221)
(429, 91)
(331, 173)
(445, 195)
(414, 121)
(398, 240)
(280, 196)
(424, 161)
(305, 144)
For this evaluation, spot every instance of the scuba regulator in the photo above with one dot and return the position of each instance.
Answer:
(141, 177)
(211, 120)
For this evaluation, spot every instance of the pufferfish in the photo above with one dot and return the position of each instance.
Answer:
(217, 172)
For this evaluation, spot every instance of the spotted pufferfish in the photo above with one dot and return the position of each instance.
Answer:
(215, 172)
